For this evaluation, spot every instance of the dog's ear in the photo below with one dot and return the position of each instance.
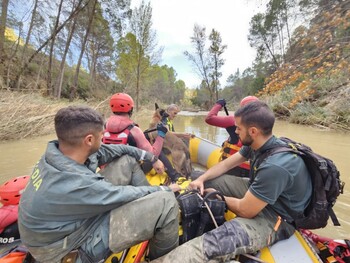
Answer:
(156, 106)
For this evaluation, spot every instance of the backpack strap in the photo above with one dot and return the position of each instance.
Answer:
(258, 161)
(131, 139)
(262, 157)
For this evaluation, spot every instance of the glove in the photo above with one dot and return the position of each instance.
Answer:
(222, 102)
(161, 129)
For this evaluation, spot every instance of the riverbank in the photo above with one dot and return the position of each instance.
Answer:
(25, 115)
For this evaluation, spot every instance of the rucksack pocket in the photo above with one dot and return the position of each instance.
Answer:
(316, 218)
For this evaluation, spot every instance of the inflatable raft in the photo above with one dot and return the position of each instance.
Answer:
(303, 246)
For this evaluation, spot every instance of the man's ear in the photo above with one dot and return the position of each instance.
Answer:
(156, 106)
(253, 131)
(88, 139)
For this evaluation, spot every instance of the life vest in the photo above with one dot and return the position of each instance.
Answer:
(170, 124)
(229, 149)
(8, 224)
(122, 137)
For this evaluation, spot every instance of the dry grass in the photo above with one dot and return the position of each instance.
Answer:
(26, 115)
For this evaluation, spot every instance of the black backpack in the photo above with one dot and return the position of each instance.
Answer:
(198, 213)
(325, 181)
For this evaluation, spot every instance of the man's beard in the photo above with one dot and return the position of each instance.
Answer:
(247, 141)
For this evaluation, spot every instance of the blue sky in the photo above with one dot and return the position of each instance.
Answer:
(173, 21)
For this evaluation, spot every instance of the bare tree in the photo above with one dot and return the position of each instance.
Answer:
(216, 50)
(200, 57)
(58, 86)
(141, 27)
(3, 18)
(74, 86)
(49, 67)
(80, 6)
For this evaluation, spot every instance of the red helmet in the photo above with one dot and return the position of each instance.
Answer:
(247, 100)
(11, 191)
(121, 102)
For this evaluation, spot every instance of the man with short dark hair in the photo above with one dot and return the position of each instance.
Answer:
(67, 205)
(281, 180)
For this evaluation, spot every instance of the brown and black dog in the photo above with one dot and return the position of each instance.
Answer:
(172, 145)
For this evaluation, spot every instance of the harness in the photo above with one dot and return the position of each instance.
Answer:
(122, 137)
(229, 149)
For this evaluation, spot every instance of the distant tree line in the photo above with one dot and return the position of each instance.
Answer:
(93, 48)
(84, 48)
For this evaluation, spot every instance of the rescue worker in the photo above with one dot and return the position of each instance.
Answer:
(232, 144)
(70, 210)
(121, 129)
(281, 180)
(172, 111)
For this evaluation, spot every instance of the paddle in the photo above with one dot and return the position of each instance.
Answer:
(226, 110)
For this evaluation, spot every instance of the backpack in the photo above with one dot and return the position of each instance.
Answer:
(198, 213)
(326, 185)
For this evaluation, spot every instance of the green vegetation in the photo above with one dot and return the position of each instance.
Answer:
(90, 49)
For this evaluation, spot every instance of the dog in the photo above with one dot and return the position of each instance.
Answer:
(159, 115)
(173, 146)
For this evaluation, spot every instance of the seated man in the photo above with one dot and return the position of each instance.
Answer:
(172, 112)
(281, 180)
(67, 205)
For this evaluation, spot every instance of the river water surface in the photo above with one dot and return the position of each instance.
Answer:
(18, 157)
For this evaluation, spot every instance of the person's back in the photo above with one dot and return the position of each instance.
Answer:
(67, 205)
(122, 126)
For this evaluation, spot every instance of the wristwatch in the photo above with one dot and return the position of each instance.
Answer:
(154, 159)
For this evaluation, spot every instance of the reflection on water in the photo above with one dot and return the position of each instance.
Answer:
(18, 158)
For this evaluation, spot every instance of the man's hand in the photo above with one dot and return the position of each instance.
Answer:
(158, 167)
(197, 184)
(222, 102)
(162, 130)
(174, 187)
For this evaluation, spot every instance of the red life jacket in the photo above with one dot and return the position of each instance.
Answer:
(8, 224)
(122, 137)
(228, 149)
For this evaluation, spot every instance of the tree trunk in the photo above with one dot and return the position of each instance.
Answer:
(30, 29)
(74, 86)
(138, 86)
(27, 40)
(3, 19)
(58, 87)
(72, 15)
(50, 90)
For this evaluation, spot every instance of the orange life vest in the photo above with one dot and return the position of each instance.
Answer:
(228, 149)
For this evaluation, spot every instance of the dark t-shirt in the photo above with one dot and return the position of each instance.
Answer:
(280, 178)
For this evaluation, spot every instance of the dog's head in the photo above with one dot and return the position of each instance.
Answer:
(159, 115)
